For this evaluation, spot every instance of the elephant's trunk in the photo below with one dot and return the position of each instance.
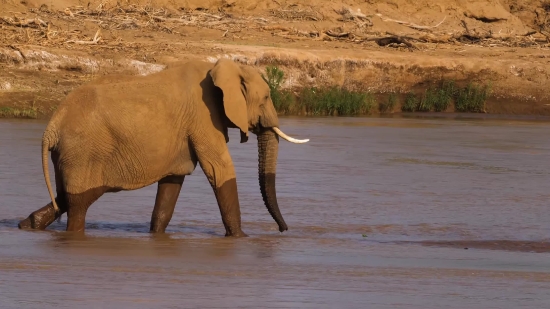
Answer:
(268, 148)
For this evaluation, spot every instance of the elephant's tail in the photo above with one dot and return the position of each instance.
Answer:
(49, 140)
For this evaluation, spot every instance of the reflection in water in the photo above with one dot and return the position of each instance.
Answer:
(380, 212)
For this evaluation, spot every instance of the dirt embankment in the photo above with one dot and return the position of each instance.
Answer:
(49, 47)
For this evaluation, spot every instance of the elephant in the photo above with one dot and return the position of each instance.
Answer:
(127, 132)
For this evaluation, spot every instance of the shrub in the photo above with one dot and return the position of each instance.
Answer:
(282, 99)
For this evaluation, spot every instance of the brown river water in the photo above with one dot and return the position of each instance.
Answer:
(382, 213)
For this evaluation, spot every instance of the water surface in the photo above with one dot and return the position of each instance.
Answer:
(382, 213)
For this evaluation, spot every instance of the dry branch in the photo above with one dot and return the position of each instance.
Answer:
(93, 41)
(335, 34)
(23, 22)
(290, 30)
(276, 27)
(411, 25)
(210, 15)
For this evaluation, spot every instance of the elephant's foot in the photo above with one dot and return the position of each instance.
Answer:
(40, 219)
(156, 228)
(238, 233)
(26, 224)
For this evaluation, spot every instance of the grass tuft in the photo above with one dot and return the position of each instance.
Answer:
(443, 96)
(472, 98)
(437, 98)
(389, 105)
(10, 112)
(411, 103)
(335, 101)
(339, 101)
(315, 101)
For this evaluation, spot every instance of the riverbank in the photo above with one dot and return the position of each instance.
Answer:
(390, 55)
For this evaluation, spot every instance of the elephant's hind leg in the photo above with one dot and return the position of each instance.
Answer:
(168, 191)
(43, 217)
(77, 207)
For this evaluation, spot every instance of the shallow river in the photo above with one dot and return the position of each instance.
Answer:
(382, 213)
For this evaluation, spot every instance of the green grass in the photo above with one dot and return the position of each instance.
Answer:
(338, 101)
(315, 101)
(442, 96)
(411, 103)
(388, 105)
(437, 98)
(283, 99)
(472, 98)
(334, 101)
(10, 112)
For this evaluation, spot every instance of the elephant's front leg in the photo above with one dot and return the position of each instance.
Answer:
(168, 191)
(228, 202)
(221, 175)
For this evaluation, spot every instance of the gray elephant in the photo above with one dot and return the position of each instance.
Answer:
(127, 132)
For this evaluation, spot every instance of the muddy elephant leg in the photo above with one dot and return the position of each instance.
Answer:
(43, 217)
(77, 207)
(228, 202)
(222, 179)
(167, 195)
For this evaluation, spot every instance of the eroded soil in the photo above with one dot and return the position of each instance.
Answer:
(47, 48)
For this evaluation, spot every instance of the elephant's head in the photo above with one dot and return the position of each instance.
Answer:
(248, 106)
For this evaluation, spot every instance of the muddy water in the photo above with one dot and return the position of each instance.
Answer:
(383, 213)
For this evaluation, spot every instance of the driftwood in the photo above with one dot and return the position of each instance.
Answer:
(291, 30)
(390, 40)
(335, 34)
(27, 22)
(411, 25)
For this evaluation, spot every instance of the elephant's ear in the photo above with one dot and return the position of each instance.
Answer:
(227, 76)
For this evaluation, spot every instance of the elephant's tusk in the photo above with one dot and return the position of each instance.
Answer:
(288, 138)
